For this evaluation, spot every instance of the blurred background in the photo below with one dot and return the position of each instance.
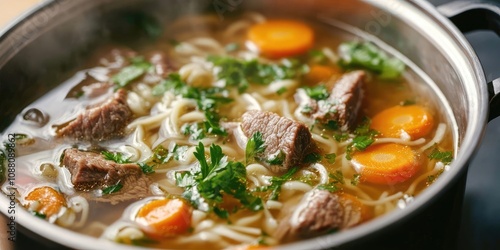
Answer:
(480, 220)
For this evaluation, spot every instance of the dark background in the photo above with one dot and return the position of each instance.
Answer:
(479, 226)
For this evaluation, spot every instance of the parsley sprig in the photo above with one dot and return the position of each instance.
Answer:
(240, 73)
(446, 157)
(116, 157)
(368, 56)
(364, 136)
(335, 178)
(215, 178)
(208, 100)
(255, 146)
(276, 182)
(131, 72)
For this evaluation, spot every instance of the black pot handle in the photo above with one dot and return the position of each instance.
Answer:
(470, 16)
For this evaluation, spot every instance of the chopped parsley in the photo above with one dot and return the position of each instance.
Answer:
(240, 74)
(336, 178)
(277, 158)
(255, 146)
(276, 183)
(281, 91)
(368, 56)
(312, 157)
(112, 189)
(355, 179)
(161, 155)
(205, 187)
(207, 99)
(331, 158)
(39, 215)
(147, 169)
(364, 137)
(116, 157)
(195, 130)
(432, 178)
(317, 92)
(131, 72)
(317, 56)
(445, 157)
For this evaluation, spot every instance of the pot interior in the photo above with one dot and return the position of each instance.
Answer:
(53, 41)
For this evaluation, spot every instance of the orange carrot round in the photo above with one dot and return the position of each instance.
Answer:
(281, 38)
(51, 201)
(165, 217)
(414, 120)
(388, 163)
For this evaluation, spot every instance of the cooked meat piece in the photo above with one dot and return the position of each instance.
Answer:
(134, 187)
(161, 63)
(343, 104)
(283, 137)
(90, 170)
(319, 212)
(102, 122)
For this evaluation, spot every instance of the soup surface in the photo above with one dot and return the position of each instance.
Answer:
(251, 131)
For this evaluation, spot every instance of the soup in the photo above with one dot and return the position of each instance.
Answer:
(249, 132)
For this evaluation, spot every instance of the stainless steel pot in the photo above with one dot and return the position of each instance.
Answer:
(43, 46)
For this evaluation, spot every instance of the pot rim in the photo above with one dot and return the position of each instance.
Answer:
(469, 145)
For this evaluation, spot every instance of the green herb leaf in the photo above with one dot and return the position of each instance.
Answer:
(116, 157)
(355, 179)
(336, 178)
(147, 169)
(240, 74)
(255, 146)
(367, 56)
(312, 158)
(208, 100)
(445, 157)
(216, 177)
(317, 92)
(331, 158)
(317, 56)
(112, 189)
(126, 75)
(39, 215)
(276, 183)
(364, 137)
(277, 158)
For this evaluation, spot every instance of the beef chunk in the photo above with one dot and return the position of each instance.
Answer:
(102, 122)
(343, 105)
(283, 137)
(90, 170)
(319, 212)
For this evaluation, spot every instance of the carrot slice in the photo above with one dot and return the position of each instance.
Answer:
(51, 201)
(319, 73)
(163, 218)
(281, 38)
(388, 163)
(414, 120)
